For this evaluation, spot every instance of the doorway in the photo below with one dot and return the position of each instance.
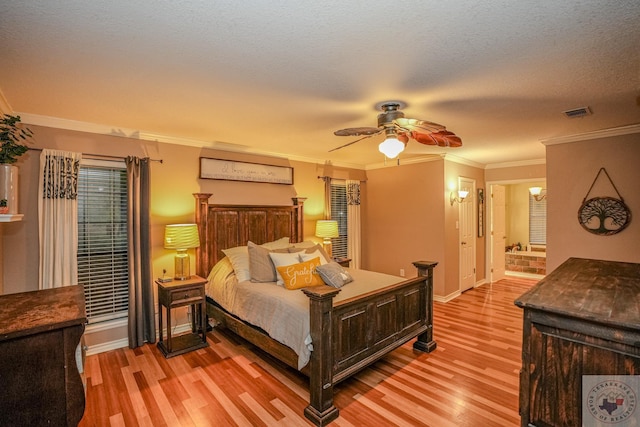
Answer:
(502, 214)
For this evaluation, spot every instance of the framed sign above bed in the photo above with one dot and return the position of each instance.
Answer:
(231, 170)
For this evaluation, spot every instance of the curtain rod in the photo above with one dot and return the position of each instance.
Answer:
(102, 156)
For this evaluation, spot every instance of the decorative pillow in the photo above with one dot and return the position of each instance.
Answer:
(282, 259)
(261, 267)
(334, 275)
(306, 256)
(301, 275)
(310, 250)
(239, 257)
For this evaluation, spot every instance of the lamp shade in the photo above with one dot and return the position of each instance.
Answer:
(181, 236)
(327, 228)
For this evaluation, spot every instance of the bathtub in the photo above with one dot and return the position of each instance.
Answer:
(530, 262)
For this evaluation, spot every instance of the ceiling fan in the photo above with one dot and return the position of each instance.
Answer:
(398, 130)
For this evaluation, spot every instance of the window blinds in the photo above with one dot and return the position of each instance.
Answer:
(102, 241)
(537, 221)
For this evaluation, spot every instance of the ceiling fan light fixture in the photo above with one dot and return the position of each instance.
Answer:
(391, 147)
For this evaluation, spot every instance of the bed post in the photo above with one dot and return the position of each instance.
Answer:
(202, 253)
(321, 410)
(298, 202)
(425, 340)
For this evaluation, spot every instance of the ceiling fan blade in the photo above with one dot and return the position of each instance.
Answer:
(357, 131)
(350, 143)
(403, 137)
(443, 138)
(420, 125)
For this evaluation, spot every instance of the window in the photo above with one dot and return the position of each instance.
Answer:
(537, 221)
(102, 239)
(339, 213)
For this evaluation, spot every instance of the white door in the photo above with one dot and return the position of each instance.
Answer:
(498, 227)
(467, 235)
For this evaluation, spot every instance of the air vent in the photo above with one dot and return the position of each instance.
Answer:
(578, 112)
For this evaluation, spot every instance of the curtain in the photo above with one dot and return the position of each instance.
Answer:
(58, 218)
(327, 196)
(353, 222)
(141, 306)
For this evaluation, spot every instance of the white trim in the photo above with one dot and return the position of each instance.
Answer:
(524, 275)
(516, 164)
(602, 133)
(57, 123)
(447, 298)
(107, 325)
(481, 282)
(123, 342)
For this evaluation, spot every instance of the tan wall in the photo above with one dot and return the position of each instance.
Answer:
(515, 173)
(571, 169)
(173, 183)
(403, 219)
(409, 218)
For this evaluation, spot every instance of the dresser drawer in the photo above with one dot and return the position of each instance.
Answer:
(186, 296)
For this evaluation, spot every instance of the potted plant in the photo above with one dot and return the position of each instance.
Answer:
(12, 145)
(3, 206)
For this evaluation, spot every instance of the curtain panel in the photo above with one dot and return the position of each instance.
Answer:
(58, 218)
(353, 223)
(141, 326)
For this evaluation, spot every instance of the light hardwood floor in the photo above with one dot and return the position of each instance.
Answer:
(471, 379)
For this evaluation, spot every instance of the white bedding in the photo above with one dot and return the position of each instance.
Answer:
(282, 313)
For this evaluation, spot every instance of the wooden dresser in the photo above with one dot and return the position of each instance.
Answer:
(39, 379)
(582, 319)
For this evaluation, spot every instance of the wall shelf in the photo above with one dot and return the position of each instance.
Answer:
(11, 217)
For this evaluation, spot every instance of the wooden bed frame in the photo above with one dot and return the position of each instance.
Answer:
(347, 335)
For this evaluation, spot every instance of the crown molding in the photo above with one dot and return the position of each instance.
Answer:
(519, 163)
(74, 125)
(602, 133)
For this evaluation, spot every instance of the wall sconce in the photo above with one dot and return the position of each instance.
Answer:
(181, 237)
(462, 194)
(536, 192)
(327, 229)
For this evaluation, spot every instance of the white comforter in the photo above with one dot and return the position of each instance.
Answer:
(282, 313)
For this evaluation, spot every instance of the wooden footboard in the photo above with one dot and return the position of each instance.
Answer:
(350, 335)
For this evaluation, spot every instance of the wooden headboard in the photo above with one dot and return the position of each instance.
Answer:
(227, 226)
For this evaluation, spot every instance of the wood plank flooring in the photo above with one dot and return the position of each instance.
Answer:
(471, 379)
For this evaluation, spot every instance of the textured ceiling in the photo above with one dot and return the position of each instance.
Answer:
(279, 77)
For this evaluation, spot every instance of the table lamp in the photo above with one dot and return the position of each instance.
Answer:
(327, 229)
(181, 237)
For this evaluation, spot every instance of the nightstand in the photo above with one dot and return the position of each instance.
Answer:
(344, 262)
(180, 293)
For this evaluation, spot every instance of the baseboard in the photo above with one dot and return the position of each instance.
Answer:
(124, 342)
(447, 298)
(524, 275)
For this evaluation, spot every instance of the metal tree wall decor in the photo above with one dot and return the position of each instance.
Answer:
(604, 215)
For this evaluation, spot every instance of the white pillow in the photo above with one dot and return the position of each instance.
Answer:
(283, 259)
(306, 256)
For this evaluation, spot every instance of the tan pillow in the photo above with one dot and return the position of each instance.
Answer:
(261, 267)
(301, 275)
